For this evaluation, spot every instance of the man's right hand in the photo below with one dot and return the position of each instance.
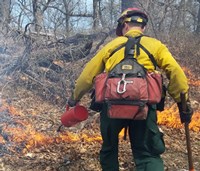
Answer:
(71, 102)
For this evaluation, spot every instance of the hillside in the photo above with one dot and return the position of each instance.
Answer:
(37, 77)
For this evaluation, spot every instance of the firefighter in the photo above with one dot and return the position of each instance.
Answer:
(146, 140)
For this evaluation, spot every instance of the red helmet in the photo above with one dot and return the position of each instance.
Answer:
(134, 15)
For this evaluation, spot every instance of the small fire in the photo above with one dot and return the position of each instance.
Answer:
(193, 81)
(171, 118)
(18, 134)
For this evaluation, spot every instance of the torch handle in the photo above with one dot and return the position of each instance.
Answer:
(187, 133)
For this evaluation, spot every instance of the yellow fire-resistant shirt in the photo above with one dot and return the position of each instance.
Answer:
(102, 61)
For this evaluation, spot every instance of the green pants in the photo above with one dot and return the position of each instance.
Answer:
(146, 142)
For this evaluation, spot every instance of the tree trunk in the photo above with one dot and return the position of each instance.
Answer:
(198, 20)
(128, 4)
(4, 14)
(95, 14)
(67, 17)
(37, 15)
(101, 18)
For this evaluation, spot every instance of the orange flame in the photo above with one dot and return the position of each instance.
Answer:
(192, 79)
(25, 133)
(170, 117)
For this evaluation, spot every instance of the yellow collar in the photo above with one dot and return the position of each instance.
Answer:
(133, 33)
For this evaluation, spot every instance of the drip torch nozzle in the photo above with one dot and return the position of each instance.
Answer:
(59, 128)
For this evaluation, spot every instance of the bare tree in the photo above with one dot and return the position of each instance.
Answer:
(198, 19)
(4, 14)
(96, 4)
(107, 13)
(65, 11)
(64, 16)
(128, 3)
(67, 15)
(39, 6)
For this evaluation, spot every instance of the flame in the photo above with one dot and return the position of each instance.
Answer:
(193, 81)
(171, 118)
(24, 135)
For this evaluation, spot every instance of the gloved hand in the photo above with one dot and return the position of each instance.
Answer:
(71, 102)
(185, 115)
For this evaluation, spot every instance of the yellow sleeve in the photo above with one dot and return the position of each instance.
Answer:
(94, 67)
(177, 79)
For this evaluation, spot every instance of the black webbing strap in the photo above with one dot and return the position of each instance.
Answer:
(123, 45)
(137, 39)
(137, 48)
(117, 49)
(149, 54)
(130, 45)
(146, 51)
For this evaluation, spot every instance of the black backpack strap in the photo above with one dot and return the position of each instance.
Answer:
(117, 49)
(130, 46)
(149, 54)
(123, 45)
(146, 51)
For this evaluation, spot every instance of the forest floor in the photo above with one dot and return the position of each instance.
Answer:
(30, 141)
